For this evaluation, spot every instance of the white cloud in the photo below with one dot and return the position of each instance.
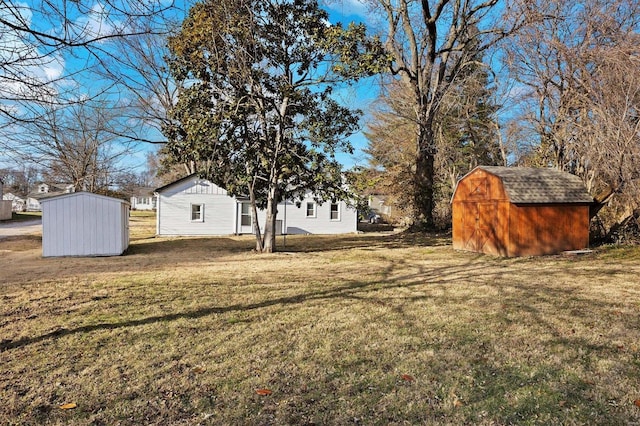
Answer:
(348, 7)
(96, 23)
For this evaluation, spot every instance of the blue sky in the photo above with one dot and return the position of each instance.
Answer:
(363, 93)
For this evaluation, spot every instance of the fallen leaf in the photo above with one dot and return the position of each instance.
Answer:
(263, 392)
(68, 406)
(636, 402)
(198, 370)
(562, 403)
(407, 378)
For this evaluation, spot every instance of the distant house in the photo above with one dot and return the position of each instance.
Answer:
(520, 211)
(5, 205)
(378, 203)
(143, 199)
(194, 206)
(45, 190)
(17, 203)
(84, 224)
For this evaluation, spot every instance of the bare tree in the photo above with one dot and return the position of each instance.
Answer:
(76, 144)
(432, 43)
(40, 37)
(137, 67)
(577, 71)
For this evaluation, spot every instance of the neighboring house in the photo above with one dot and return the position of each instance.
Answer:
(378, 207)
(5, 205)
(17, 203)
(44, 190)
(194, 206)
(143, 199)
(84, 224)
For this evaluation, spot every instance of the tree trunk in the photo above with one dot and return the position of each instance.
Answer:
(423, 194)
(254, 220)
(270, 223)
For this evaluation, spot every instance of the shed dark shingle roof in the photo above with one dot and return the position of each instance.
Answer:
(538, 186)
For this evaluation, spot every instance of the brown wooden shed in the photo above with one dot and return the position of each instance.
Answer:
(520, 211)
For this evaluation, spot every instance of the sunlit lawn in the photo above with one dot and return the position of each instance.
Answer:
(367, 329)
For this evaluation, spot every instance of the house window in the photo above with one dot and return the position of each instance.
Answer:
(245, 215)
(197, 212)
(335, 211)
(311, 209)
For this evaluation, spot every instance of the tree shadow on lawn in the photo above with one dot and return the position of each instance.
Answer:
(285, 244)
(342, 291)
(467, 273)
(507, 392)
(322, 243)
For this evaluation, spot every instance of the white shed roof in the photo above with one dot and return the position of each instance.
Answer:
(83, 194)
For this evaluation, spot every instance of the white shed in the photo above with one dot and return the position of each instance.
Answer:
(84, 224)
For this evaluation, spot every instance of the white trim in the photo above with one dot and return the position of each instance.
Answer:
(315, 210)
(200, 211)
(337, 211)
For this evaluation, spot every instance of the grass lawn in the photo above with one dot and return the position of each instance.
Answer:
(367, 329)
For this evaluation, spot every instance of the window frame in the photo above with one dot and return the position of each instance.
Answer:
(315, 210)
(200, 211)
(247, 214)
(337, 211)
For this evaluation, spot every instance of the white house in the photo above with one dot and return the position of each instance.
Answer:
(194, 206)
(84, 224)
(44, 190)
(17, 203)
(143, 199)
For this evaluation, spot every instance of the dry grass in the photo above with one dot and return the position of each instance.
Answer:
(184, 331)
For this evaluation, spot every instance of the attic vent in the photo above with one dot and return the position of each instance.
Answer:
(479, 187)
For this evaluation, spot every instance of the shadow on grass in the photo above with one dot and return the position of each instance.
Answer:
(182, 246)
(508, 393)
(343, 291)
(321, 243)
(285, 244)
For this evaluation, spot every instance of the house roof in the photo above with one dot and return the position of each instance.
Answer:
(525, 185)
(83, 194)
(162, 188)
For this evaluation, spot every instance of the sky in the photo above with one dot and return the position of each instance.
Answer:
(359, 95)
(365, 91)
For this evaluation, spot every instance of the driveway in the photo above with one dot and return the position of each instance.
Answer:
(9, 229)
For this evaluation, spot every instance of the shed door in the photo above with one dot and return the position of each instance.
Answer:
(480, 222)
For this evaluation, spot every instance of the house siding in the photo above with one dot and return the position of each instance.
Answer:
(222, 213)
(84, 224)
(174, 210)
(297, 221)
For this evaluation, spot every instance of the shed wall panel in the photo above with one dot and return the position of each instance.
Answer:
(539, 230)
(83, 224)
